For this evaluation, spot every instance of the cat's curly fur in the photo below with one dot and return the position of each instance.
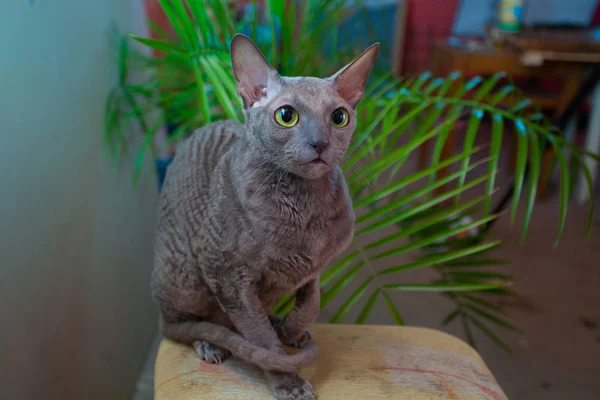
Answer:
(251, 212)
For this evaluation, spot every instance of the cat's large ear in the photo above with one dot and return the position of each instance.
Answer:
(351, 79)
(251, 70)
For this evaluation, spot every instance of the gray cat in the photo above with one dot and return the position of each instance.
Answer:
(251, 212)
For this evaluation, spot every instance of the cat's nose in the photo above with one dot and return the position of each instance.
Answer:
(319, 145)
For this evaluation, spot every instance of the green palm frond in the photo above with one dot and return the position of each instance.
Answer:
(398, 213)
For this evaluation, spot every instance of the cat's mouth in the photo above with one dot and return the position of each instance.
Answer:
(316, 161)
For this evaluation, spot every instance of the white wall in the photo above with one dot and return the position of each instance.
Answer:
(75, 237)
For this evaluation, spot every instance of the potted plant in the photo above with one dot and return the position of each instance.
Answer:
(397, 212)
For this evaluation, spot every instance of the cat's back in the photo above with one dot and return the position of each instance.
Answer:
(205, 147)
(189, 174)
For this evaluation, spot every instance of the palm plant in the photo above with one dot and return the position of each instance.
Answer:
(192, 83)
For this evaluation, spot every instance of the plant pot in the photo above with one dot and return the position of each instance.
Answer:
(161, 169)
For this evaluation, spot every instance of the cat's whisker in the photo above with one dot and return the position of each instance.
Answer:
(246, 175)
(234, 167)
(237, 165)
(263, 182)
(374, 150)
(283, 172)
(250, 174)
(360, 173)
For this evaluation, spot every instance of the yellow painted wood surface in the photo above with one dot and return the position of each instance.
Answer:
(355, 362)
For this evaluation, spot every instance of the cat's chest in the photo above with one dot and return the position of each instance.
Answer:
(300, 236)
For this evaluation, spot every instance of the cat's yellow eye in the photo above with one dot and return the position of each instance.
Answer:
(286, 116)
(340, 117)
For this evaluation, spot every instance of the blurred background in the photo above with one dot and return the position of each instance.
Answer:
(77, 210)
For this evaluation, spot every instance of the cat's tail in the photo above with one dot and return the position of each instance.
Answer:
(188, 332)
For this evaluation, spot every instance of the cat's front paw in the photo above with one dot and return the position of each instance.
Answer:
(285, 336)
(301, 341)
(293, 388)
(276, 322)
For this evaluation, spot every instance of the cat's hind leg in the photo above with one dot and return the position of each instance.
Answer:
(203, 306)
(210, 353)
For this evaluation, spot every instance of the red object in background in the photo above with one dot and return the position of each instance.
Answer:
(154, 13)
(427, 21)
(596, 17)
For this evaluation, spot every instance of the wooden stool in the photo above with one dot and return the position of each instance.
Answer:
(356, 362)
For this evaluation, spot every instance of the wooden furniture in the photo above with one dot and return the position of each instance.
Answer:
(577, 48)
(399, 37)
(488, 61)
(355, 362)
(530, 54)
(543, 45)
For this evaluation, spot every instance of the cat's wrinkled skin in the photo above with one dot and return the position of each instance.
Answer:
(246, 216)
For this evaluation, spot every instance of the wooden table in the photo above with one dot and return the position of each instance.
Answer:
(532, 54)
(578, 48)
(539, 46)
(355, 363)
(488, 61)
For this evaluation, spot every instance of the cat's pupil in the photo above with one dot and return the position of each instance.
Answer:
(337, 117)
(286, 114)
